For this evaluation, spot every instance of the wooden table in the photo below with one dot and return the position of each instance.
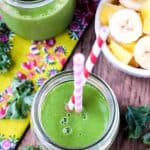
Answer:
(128, 90)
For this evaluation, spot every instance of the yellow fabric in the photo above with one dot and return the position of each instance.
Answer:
(19, 53)
(13, 127)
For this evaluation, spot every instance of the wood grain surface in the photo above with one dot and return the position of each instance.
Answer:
(128, 90)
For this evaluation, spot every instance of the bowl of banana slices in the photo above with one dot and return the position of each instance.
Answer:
(128, 43)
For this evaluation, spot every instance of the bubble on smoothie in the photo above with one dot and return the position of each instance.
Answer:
(80, 134)
(84, 115)
(68, 114)
(41, 15)
(64, 121)
(67, 130)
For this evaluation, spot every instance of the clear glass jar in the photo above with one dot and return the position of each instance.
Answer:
(37, 19)
(111, 131)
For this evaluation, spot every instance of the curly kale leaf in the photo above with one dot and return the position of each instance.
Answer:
(6, 46)
(5, 33)
(4, 29)
(31, 148)
(19, 105)
(22, 88)
(137, 119)
(5, 62)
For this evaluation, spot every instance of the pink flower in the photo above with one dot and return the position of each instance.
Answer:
(3, 111)
(31, 75)
(5, 144)
(63, 61)
(27, 65)
(9, 90)
(21, 76)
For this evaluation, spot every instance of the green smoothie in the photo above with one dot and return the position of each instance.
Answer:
(74, 130)
(39, 22)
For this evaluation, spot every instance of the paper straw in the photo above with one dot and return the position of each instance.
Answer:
(76, 99)
(95, 52)
(91, 60)
(78, 66)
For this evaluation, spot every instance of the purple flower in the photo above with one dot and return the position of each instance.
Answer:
(3, 38)
(49, 59)
(8, 91)
(1, 97)
(74, 26)
(40, 81)
(59, 49)
(13, 145)
(51, 42)
(79, 15)
(52, 72)
(5, 144)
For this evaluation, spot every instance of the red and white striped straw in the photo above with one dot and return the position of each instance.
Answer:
(78, 67)
(91, 60)
(95, 52)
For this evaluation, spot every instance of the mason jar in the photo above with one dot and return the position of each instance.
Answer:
(111, 130)
(37, 19)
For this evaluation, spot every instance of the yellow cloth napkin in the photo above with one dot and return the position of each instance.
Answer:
(37, 60)
(47, 63)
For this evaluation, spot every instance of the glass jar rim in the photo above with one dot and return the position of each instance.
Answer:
(35, 120)
(28, 4)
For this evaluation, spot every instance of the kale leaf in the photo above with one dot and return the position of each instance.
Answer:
(22, 88)
(137, 119)
(5, 62)
(19, 105)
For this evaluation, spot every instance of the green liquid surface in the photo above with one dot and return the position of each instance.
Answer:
(74, 130)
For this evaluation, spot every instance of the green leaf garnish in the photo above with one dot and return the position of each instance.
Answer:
(137, 119)
(22, 88)
(19, 105)
(5, 62)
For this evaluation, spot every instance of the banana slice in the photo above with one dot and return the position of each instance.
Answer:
(132, 4)
(119, 52)
(125, 26)
(142, 52)
(107, 10)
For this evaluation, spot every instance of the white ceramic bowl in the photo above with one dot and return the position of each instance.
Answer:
(111, 58)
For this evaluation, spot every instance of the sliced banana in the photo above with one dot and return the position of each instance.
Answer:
(132, 4)
(142, 52)
(125, 26)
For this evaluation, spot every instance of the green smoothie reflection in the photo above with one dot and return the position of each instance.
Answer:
(74, 130)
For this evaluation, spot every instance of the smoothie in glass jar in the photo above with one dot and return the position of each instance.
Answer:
(74, 130)
(37, 19)
(94, 128)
